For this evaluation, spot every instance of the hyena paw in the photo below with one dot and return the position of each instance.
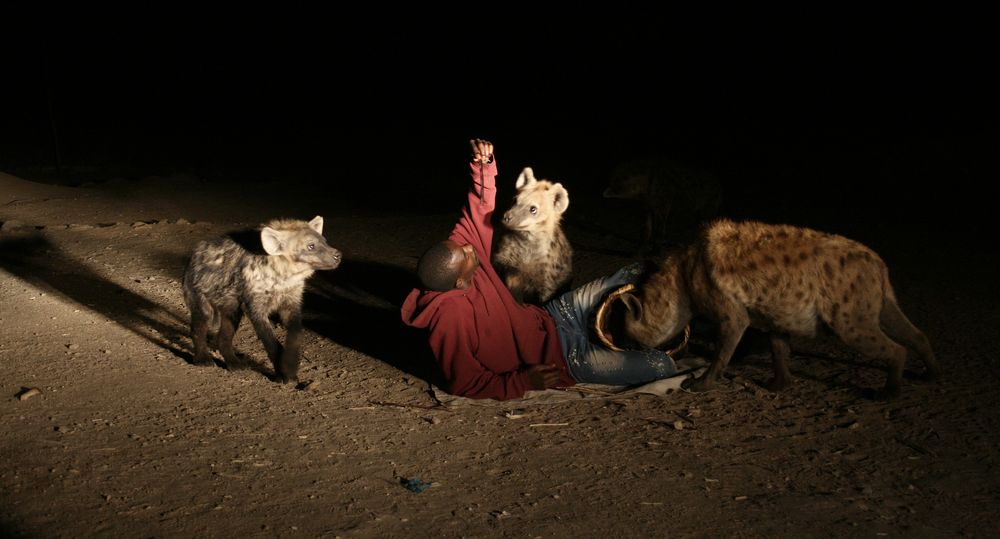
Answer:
(696, 384)
(777, 384)
(203, 361)
(237, 365)
(885, 394)
(285, 378)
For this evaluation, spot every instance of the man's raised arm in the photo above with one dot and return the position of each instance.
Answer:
(475, 226)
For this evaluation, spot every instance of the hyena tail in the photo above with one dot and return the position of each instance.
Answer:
(202, 310)
(898, 327)
(205, 318)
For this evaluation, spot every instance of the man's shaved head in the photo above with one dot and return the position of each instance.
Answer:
(437, 268)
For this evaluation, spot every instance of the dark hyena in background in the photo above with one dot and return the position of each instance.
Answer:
(224, 280)
(532, 254)
(674, 198)
(781, 279)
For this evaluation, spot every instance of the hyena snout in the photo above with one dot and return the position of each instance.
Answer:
(515, 215)
(324, 258)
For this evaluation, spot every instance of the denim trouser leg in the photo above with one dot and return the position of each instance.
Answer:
(593, 362)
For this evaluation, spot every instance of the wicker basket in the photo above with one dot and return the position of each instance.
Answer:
(601, 322)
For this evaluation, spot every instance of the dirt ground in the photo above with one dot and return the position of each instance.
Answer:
(127, 439)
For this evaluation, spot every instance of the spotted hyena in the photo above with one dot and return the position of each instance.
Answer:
(784, 280)
(265, 275)
(532, 253)
(674, 198)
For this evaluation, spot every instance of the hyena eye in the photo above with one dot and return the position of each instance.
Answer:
(533, 210)
(311, 246)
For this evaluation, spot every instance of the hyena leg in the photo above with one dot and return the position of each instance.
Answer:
(655, 232)
(647, 230)
(780, 351)
(900, 329)
(515, 283)
(730, 331)
(228, 325)
(287, 369)
(660, 227)
(872, 342)
(201, 315)
(266, 333)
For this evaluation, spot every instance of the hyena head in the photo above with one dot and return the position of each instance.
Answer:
(661, 319)
(301, 241)
(630, 181)
(538, 204)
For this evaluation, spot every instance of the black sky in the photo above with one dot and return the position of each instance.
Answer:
(777, 100)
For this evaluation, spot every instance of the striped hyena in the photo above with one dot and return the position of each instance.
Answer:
(225, 279)
(783, 280)
(532, 254)
(674, 198)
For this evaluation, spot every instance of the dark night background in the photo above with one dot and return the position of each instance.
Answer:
(881, 126)
(890, 116)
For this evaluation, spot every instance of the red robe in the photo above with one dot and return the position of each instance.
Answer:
(482, 338)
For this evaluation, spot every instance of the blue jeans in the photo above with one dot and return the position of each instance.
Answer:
(590, 361)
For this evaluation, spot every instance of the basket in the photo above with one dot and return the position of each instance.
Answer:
(601, 322)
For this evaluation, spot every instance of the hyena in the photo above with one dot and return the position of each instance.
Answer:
(532, 254)
(224, 280)
(785, 281)
(671, 196)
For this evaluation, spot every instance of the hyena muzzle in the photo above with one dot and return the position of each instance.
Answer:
(225, 280)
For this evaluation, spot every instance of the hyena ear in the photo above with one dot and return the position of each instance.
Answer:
(561, 200)
(527, 177)
(271, 240)
(317, 224)
(633, 304)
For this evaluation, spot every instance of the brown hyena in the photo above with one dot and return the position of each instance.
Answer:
(673, 198)
(532, 254)
(225, 279)
(781, 279)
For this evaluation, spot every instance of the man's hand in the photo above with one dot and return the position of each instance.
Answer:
(542, 376)
(482, 151)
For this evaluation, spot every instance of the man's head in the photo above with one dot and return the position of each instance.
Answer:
(447, 266)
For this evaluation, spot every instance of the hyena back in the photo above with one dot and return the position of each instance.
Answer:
(783, 280)
(532, 253)
(672, 197)
(224, 281)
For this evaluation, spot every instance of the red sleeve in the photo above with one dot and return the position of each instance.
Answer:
(475, 227)
(451, 340)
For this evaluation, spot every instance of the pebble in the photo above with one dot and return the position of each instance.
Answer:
(28, 393)
(12, 225)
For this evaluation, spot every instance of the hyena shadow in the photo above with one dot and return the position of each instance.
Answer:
(358, 306)
(35, 260)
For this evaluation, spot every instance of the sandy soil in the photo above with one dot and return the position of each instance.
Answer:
(127, 439)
